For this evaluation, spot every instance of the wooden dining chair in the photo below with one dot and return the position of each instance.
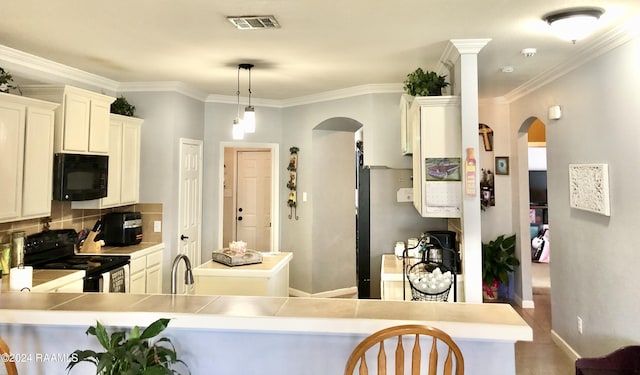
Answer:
(625, 361)
(435, 338)
(9, 364)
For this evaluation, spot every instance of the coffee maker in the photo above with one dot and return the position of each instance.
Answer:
(437, 240)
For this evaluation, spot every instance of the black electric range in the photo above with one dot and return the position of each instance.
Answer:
(55, 249)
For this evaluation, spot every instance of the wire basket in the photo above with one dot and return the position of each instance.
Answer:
(418, 273)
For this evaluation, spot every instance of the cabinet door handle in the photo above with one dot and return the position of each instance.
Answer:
(239, 218)
(183, 237)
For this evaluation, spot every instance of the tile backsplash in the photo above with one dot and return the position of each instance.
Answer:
(63, 217)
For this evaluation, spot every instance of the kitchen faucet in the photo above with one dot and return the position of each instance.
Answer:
(188, 275)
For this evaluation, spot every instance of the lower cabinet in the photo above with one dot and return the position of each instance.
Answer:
(57, 281)
(146, 273)
(72, 287)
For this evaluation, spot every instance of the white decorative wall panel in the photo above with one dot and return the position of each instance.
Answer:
(589, 187)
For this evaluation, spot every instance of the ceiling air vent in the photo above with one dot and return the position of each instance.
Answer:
(254, 22)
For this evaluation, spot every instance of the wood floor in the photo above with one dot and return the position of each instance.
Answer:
(542, 356)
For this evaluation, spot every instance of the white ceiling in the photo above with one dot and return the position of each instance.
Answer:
(323, 45)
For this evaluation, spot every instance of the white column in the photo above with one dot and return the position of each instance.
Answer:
(471, 227)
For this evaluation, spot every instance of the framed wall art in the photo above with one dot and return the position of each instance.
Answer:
(502, 165)
(589, 188)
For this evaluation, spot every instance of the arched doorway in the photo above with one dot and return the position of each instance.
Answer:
(532, 205)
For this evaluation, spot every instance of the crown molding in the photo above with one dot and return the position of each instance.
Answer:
(28, 65)
(381, 88)
(163, 86)
(232, 99)
(607, 42)
(469, 46)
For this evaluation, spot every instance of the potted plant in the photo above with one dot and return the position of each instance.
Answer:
(135, 354)
(122, 107)
(498, 261)
(421, 83)
(5, 81)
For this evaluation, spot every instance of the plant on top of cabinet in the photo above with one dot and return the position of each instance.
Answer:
(5, 81)
(122, 107)
(421, 83)
(133, 355)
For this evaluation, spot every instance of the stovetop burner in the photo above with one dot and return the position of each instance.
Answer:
(54, 249)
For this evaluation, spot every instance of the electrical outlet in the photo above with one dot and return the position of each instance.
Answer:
(579, 325)
(157, 226)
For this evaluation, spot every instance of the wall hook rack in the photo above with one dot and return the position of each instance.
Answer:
(292, 183)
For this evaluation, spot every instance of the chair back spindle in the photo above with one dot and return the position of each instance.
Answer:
(452, 360)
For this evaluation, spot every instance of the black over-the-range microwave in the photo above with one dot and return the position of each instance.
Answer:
(79, 177)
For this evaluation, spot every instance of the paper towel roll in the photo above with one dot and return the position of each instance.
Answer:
(20, 278)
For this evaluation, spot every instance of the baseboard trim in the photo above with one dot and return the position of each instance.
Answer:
(564, 346)
(327, 294)
(525, 304)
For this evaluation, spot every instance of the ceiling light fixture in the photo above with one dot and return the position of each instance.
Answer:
(249, 119)
(574, 24)
(238, 128)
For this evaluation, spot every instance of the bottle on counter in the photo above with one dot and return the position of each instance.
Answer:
(17, 249)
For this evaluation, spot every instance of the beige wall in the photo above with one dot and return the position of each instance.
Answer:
(63, 217)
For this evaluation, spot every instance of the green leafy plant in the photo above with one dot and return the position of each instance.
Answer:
(5, 81)
(122, 107)
(133, 355)
(421, 83)
(498, 260)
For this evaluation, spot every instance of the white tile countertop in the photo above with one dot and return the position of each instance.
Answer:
(134, 251)
(45, 280)
(310, 335)
(497, 322)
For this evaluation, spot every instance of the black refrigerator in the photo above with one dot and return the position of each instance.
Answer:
(381, 221)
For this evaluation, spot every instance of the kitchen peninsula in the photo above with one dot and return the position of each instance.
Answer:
(269, 278)
(252, 335)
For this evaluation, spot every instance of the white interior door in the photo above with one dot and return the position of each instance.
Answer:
(253, 208)
(190, 192)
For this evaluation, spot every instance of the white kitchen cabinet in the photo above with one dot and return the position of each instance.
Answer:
(82, 119)
(26, 126)
(154, 272)
(406, 128)
(123, 186)
(58, 281)
(146, 272)
(137, 275)
(437, 134)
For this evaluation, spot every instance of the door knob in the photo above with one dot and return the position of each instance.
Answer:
(183, 237)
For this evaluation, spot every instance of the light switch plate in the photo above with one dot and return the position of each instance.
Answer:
(157, 226)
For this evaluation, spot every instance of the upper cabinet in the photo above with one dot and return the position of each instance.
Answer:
(406, 129)
(82, 119)
(437, 161)
(26, 141)
(123, 185)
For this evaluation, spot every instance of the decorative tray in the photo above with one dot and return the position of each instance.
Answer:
(228, 258)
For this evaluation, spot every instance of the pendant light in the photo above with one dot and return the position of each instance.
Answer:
(574, 24)
(238, 128)
(249, 119)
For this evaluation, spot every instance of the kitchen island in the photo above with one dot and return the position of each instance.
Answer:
(250, 335)
(269, 278)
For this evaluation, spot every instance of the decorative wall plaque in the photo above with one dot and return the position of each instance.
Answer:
(589, 187)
